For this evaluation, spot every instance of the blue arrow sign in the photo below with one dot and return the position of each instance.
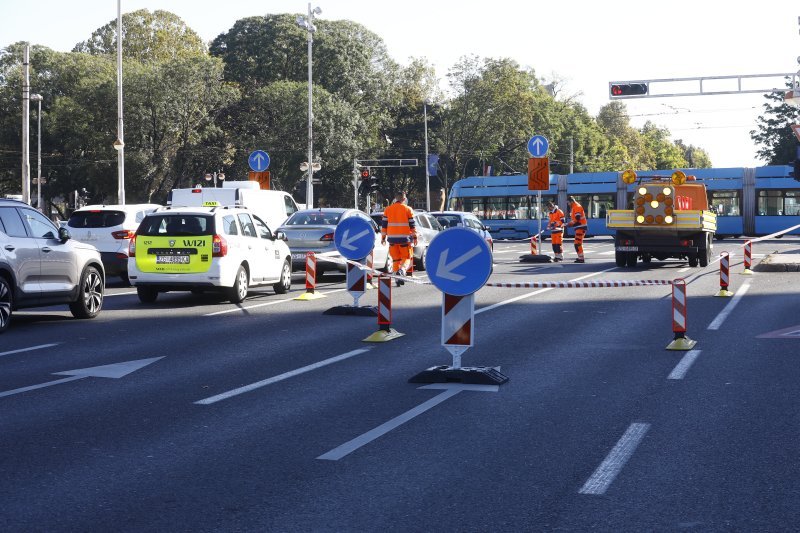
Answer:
(259, 161)
(459, 261)
(354, 238)
(538, 146)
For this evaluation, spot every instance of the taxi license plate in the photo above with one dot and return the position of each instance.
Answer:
(298, 256)
(627, 248)
(172, 259)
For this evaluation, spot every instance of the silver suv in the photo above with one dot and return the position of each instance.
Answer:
(40, 266)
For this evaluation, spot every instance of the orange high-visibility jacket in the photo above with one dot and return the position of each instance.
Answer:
(578, 216)
(397, 224)
(556, 224)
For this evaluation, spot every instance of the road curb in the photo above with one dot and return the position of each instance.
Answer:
(773, 263)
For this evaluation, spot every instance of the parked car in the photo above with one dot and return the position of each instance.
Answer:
(109, 229)
(311, 230)
(454, 219)
(225, 249)
(427, 228)
(41, 266)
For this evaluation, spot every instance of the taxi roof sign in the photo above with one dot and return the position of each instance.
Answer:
(211, 203)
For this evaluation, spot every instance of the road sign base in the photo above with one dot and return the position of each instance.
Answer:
(725, 293)
(383, 335)
(310, 296)
(539, 258)
(681, 344)
(351, 310)
(747, 272)
(480, 375)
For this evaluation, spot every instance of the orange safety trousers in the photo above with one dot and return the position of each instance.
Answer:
(401, 256)
(579, 234)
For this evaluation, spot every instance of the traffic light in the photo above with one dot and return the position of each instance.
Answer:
(373, 184)
(365, 174)
(629, 89)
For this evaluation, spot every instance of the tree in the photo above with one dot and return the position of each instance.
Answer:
(778, 145)
(147, 37)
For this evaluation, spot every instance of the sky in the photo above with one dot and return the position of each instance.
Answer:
(583, 43)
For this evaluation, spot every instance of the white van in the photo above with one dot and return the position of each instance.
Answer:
(273, 207)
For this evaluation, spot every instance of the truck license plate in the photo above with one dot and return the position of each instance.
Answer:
(627, 248)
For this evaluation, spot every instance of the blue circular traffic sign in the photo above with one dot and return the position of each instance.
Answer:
(459, 261)
(259, 161)
(354, 237)
(538, 146)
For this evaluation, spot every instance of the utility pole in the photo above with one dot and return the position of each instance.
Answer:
(26, 96)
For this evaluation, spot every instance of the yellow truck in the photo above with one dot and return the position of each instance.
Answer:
(669, 218)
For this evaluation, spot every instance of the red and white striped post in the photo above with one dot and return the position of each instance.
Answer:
(748, 258)
(724, 275)
(680, 340)
(356, 285)
(534, 251)
(457, 331)
(311, 279)
(385, 331)
(370, 261)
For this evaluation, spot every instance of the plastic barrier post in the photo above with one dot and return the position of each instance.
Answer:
(533, 245)
(385, 331)
(680, 340)
(724, 277)
(311, 279)
(748, 258)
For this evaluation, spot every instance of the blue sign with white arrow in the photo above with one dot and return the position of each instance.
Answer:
(459, 261)
(538, 146)
(259, 161)
(354, 238)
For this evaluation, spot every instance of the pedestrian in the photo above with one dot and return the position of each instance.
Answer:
(398, 227)
(556, 227)
(578, 221)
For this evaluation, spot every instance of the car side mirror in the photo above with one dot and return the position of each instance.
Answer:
(281, 236)
(63, 234)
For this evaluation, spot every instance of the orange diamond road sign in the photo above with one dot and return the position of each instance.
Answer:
(262, 178)
(538, 174)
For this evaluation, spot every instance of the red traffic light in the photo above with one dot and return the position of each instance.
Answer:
(365, 174)
(629, 89)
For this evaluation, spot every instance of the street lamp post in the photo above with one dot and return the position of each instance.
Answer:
(119, 144)
(308, 24)
(215, 176)
(427, 169)
(38, 98)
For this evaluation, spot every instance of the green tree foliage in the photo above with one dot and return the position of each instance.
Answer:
(777, 143)
(146, 37)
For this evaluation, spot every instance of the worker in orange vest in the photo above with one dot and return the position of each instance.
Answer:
(578, 221)
(398, 227)
(556, 227)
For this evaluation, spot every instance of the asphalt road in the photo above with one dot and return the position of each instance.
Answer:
(272, 416)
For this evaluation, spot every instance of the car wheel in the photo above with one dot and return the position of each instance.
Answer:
(6, 304)
(693, 261)
(283, 286)
(90, 295)
(238, 292)
(621, 259)
(147, 295)
(632, 259)
(422, 263)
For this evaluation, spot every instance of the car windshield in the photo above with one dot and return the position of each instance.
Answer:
(176, 224)
(96, 219)
(448, 221)
(306, 218)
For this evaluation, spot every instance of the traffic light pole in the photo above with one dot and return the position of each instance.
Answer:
(619, 90)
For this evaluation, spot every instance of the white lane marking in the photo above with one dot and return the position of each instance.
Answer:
(608, 253)
(683, 366)
(30, 349)
(605, 474)
(235, 309)
(682, 270)
(106, 295)
(729, 308)
(534, 293)
(281, 377)
(451, 389)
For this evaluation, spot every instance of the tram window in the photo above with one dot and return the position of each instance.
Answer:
(599, 204)
(778, 202)
(496, 208)
(725, 203)
(474, 206)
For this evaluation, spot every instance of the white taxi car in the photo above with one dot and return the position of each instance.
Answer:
(227, 249)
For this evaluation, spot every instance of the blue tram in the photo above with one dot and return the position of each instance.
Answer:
(747, 201)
